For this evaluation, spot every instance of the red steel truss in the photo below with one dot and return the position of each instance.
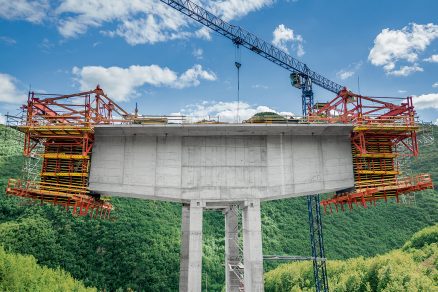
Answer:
(63, 126)
(382, 129)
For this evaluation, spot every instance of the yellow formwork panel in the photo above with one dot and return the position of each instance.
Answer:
(377, 155)
(64, 156)
(63, 174)
(384, 128)
(393, 172)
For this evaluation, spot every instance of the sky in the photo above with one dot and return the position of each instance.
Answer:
(144, 52)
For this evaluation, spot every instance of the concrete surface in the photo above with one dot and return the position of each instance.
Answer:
(225, 162)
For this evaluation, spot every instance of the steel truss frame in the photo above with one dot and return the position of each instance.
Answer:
(63, 126)
(382, 129)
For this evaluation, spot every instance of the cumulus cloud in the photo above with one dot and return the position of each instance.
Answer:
(426, 101)
(121, 83)
(435, 85)
(231, 9)
(2, 119)
(432, 59)
(138, 22)
(9, 91)
(350, 71)
(30, 10)
(225, 111)
(392, 46)
(406, 70)
(285, 37)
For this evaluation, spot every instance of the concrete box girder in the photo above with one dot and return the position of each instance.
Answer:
(223, 162)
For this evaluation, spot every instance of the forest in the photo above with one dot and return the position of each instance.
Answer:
(414, 267)
(138, 248)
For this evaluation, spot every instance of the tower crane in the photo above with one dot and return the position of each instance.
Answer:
(302, 77)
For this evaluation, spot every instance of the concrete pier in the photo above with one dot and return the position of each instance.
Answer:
(191, 247)
(252, 246)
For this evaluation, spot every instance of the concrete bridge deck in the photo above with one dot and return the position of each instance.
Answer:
(220, 162)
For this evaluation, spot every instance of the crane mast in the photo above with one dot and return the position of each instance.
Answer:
(301, 76)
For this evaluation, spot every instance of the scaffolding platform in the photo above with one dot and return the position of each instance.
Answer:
(58, 139)
(383, 132)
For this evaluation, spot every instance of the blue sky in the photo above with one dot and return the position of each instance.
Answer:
(142, 51)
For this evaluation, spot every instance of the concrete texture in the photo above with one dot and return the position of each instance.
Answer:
(226, 162)
(191, 247)
(252, 246)
(222, 167)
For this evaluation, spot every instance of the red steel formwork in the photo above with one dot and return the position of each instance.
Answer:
(63, 126)
(382, 132)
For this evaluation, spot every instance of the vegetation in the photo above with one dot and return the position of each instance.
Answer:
(139, 247)
(415, 268)
(22, 273)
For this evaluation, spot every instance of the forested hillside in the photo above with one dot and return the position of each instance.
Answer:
(139, 247)
(22, 273)
(412, 268)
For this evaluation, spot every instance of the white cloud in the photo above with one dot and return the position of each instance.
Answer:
(432, 59)
(2, 119)
(191, 77)
(406, 70)
(137, 21)
(203, 33)
(435, 85)
(224, 111)
(436, 122)
(121, 83)
(401, 91)
(232, 9)
(392, 46)
(426, 101)
(198, 53)
(344, 74)
(285, 37)
(30, 10)
(9, 92)
(350, 71)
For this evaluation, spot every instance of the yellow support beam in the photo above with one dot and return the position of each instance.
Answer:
(63, 174)
(64, 156)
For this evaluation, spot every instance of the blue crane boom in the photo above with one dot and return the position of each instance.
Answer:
(302, 77)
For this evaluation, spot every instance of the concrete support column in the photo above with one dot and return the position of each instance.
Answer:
(231, 248)
(184, 253)
(191, 247)
(252, 246)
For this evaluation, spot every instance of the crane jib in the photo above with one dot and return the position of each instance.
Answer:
(239, 36)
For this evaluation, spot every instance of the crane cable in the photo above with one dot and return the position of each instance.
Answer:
(238, 65)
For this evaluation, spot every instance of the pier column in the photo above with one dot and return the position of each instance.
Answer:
(252, 246)
(191, 247)
(232, 259)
